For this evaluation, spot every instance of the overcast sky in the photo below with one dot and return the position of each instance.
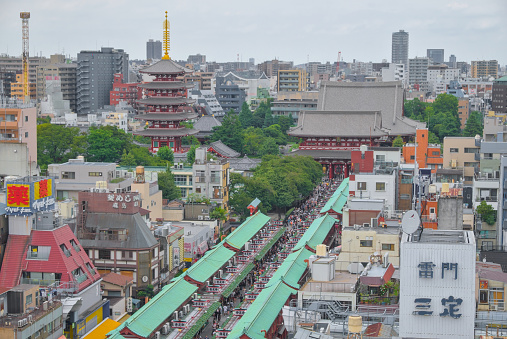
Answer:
(263, 29)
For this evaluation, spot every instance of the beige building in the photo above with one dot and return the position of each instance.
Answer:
(65, 72)
(484, 69)
(151, 196)
(292, 80)
(359, 243)
(461, 153)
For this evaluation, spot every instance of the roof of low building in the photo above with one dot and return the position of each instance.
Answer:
(117, 279)
(223, 150)
(316, 233)
(138, 233)
(206, 123)
(244, 164)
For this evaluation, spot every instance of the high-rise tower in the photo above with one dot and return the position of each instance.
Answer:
(166, 102)
(400, 48)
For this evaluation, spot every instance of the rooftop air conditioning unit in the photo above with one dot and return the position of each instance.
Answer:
(366, 224)
(157, 335)
(247, 246)
(164, 329)
(176, 315)
(200, 217)
(181, 315)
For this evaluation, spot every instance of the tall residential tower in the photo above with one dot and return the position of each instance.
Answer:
(400, 48)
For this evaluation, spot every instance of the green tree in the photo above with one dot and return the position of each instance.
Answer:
(106, 143)
(275, 132)
(473, 125)
(245, 116)
(268, 146)
(259, 116)
(398, 141)
(45, 120)
(166, 153)
(57, 144)
(191, 155)
(268, 119)
(486, 212)
(230, 132)
(167, 185)
(284, 122)
(147, 292)
(414, 109)
(252, 140)
(218, 213)
(127, 159)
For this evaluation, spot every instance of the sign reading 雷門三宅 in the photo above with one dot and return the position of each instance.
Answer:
(437, 285)
(26, 197)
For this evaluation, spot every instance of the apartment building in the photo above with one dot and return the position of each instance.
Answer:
(484, 69)
(292, 80)
(462, 153)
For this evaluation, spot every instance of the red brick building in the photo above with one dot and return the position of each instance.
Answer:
(129, 93)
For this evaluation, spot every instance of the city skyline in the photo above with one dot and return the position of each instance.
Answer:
(287, 31)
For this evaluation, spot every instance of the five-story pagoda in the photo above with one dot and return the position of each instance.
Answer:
(166, 102)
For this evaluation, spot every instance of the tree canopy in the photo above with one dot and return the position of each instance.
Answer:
(279, 182)
(167, 185)
(474, 125)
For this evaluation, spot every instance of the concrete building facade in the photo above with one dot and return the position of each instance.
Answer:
(95, 75)
(153, 49)
(461, 153)
(484, 69)
(436, 55)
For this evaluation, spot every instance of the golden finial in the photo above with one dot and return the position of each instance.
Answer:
(166, 39)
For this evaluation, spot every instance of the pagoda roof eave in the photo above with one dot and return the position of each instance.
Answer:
(165, 101)
(165, 85)
(166, 116)
(166, 132)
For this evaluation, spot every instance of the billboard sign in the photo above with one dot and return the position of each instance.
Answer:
(26, 197)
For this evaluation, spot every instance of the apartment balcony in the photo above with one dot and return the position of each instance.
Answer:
(487, 235)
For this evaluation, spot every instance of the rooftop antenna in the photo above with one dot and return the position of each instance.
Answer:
(166, 39)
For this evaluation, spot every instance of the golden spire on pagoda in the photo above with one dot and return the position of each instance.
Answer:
(166, 39)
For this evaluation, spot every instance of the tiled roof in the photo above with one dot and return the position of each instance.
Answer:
(166, 101)
(139, 235)
(223, 150)
(165, 67)
(338, 199)
(386, 97)
(253, 224)
(166, 116)
(166, 132)
(263, 311)
(293, 267)
(244, 164)
(161, 306)
(116, 279)
(165, 85)
(339, 124)
(316, 233)
(210, 263)
(206, 123)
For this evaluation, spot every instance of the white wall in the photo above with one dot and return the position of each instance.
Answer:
(437, 288)
(390, 188)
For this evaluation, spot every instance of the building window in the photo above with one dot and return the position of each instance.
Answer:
(483, 296)
(75, 245)
(471, 150)
(126, 254)
(68, 175)
(361, 186)
(94, 174)
(380, 186)
(65, 250)
(435, 153)
(28, 300)
(454, 150)
(412, 157)
(26, 134)
(387, 247)
(104, 254)
(26, 118)
(404, 196)
(366, 243)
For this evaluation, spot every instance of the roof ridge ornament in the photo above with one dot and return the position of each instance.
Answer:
(166, 39)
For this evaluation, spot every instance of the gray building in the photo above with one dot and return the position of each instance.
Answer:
(452, 61)
(399, 48)
(196, 59)
(153, 49)
(418, 72)
(437, 55)
(95, 74)
(229, 95)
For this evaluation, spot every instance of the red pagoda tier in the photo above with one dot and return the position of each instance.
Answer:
(167, 106)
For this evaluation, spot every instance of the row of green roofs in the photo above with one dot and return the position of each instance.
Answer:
(266, 307)
(338, 199)
(169, 299)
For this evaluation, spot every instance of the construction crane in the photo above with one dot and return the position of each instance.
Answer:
(338, 65)
(26, 86)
